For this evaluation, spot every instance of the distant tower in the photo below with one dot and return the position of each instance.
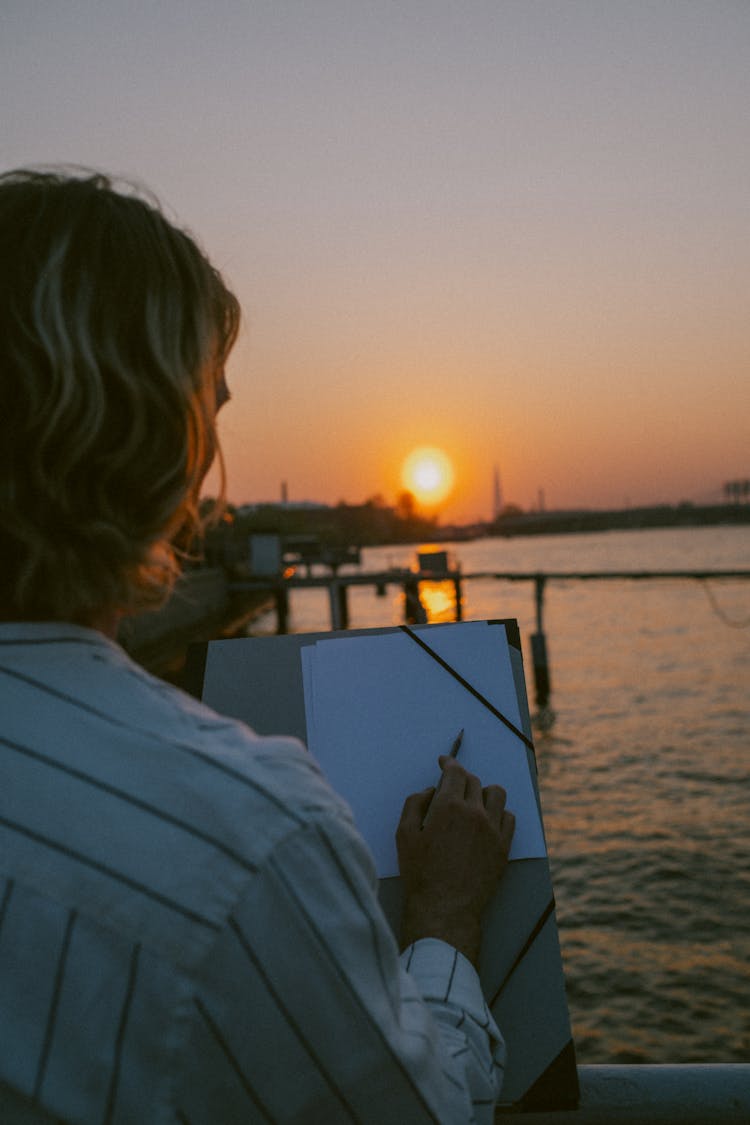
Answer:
(284, 493)
(497, 494)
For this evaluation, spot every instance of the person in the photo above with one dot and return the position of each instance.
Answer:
(189, 925)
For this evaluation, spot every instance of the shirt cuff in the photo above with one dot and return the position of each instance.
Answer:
(444, 975)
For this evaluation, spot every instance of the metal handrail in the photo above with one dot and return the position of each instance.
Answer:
(689, 1094)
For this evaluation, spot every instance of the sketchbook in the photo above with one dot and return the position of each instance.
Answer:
(381, 691)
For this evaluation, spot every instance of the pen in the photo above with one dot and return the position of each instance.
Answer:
(452, 753)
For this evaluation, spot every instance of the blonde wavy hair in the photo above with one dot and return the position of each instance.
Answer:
(114, 329)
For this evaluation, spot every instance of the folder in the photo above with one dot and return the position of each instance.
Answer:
(436, 677)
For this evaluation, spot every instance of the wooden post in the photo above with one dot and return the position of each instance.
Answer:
(457, 588)
(343, 596)
(337, 597)
(414, 611)
(539, 648)
(282, 608)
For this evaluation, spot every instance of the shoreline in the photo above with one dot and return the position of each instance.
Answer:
(587, 520)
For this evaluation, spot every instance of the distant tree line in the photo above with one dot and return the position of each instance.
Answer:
(371, 523)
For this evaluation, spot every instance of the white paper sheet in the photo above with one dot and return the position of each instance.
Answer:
(380, 710)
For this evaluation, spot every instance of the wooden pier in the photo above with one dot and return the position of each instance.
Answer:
(410, 580)
(414, 613)
(338, 591)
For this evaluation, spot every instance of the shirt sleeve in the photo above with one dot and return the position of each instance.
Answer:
(307, 1013)
(475, 1048)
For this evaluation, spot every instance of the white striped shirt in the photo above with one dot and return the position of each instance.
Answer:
(189, 927)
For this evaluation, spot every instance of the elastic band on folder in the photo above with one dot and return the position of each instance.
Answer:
(541, 923)
(469, 687)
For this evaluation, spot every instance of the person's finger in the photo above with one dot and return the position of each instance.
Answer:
(494, 797)
(473, 791)
(415, 807)
(454, 779)
(507, 828)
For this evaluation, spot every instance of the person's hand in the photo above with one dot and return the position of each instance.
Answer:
(451, 866)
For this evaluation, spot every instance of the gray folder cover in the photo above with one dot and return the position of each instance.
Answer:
(259, 680)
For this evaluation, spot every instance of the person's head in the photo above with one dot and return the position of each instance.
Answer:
(114, 329)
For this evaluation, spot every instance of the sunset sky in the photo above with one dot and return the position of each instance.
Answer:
(518, 231)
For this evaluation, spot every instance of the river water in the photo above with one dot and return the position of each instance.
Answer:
(644, 776)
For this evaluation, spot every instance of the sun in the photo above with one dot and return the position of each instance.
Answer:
(428, 473)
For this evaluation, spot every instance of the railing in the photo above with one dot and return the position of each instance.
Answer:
(710, 1094)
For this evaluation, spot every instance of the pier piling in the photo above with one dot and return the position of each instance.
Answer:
(542, 687)
(281, 597)
(414, 611)
(339, 603)
(458, 597)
